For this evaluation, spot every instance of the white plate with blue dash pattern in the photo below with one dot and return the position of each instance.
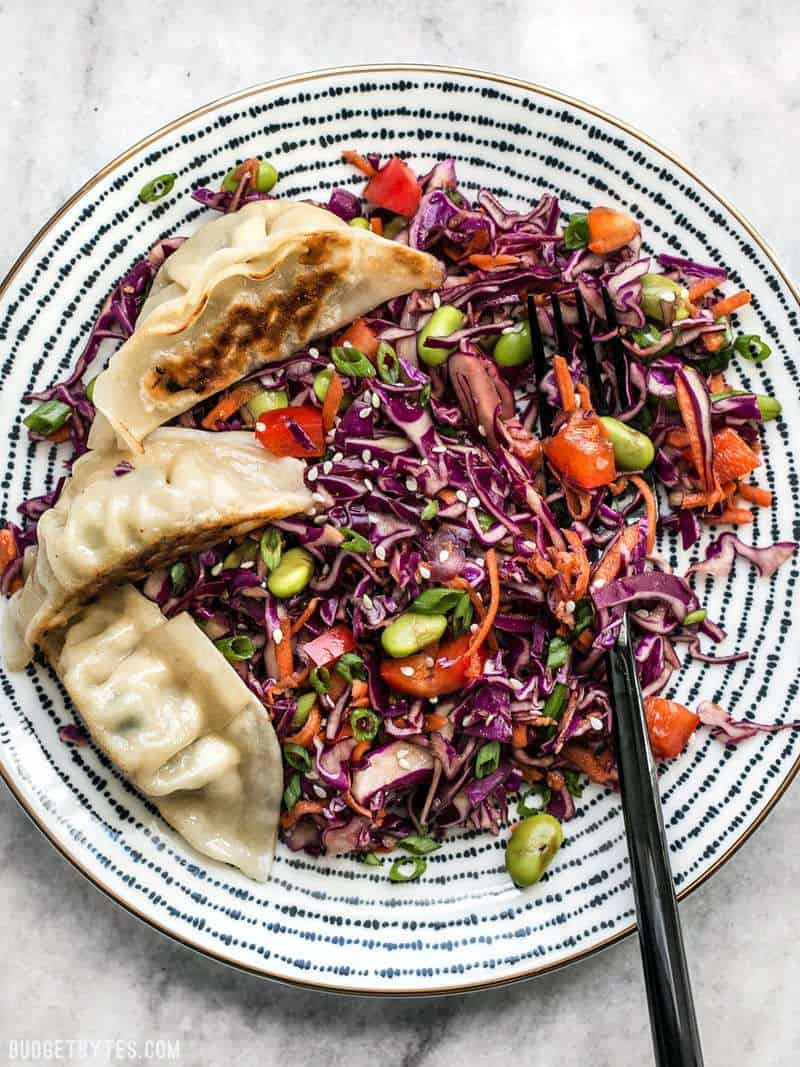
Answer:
(338, 924)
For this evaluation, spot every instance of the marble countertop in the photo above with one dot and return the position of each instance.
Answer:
(717, 84)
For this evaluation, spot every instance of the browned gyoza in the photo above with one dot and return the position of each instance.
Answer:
(247, 289)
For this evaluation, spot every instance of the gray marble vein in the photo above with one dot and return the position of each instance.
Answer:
(715, 82)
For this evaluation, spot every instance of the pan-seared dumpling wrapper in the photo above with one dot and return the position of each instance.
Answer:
(167, 709)
(248, 288)
(122, 514)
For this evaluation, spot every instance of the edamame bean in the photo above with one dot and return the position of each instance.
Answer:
(292, 574)
(265, 179)
(633, 451)
(305, 703)
(514, 347)
(359, 223)
(269, 400)
(444, 321)
(531, 847)
(322, 379)
(657, 290)
(411, 632)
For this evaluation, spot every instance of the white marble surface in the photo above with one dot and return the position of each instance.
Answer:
(80, 81)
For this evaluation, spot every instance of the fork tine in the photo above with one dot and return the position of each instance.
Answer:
(617, 351)
(590, 358)
(562, 341)
(539, 368)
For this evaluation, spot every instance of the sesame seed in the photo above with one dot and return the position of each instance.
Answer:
(364, 413)
(327, 467)
(277, 635)
(529, 546)
(330, 366)
(366, 396)
(595, 723)
(444, 556)
(367, 602)
(338, 457)
(598, 583)
(313, 474)
(474, 628)
(260, 427)
(320, 520)
(430, 661)
(461, 495)
(366, 455)
(439, 449)
(375, 465)
(318, 498)
(376, 400)
(407, 671)
(482, 430)
(403, 762)
(433, 700)
(368, 485)
(313, 352)
(380, 552)
(436, 300)
(424, 572)
(411, 484)
(319, 791)
(402, 753)
(247, 565)
(216, 569)
(347, 344)
(515, 684)
(473, 502)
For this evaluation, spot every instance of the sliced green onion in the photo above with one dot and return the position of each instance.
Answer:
(488, 759)
(359, 223)
(437, 601)
(695, 616)
(297, 757)
(352, 362)
(419, 845)
(486, 522)
(365, 723)
(304, 705)
(584, 616)
(354, 542)
(407, 869)
(752, 347)
(573, 780)
(425, 395)
(269, 400)
(351, 667)
(157, 188)
(388, 364)
(236, 649)
(371, 860)
(430, 511)
(48, 417)
(271, 547)
(557, 652)
(646, 338)
(291, 793)
(536, 799)
(320, 680)
(178, 577)
(554, 705)
(576, 232)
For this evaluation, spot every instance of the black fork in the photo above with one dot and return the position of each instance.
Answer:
(676, 1038)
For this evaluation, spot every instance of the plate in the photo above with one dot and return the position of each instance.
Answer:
(334, 923)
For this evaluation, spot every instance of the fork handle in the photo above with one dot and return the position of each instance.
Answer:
(676, 1038)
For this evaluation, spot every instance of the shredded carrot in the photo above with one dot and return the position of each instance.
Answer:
(609, 565)
(586, 403)
(356, 160)
(566, 389)
(376, 225)
(484, 629)
(353, 803)
(8, 549)
(650, 507)
(294, 681)
(359, 691)
(302, 619)
(731, 304)
(705, 470)
(577, 565)
(713, 342)
(584, 640)
(734, 516)
(531, 774)
(579, 503)
(678, 438)
(230, 403)
(60, 435)
(754, 494)
(716, 383)
(283, 651)
(306, 734)
(492, 262)
(447, 496)
(298, 810)
(435, 721)
(359, 750)
(475, 598)
(699, 289)
(618, 487)
(333, 401)
(586, 761)
(519, 735)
